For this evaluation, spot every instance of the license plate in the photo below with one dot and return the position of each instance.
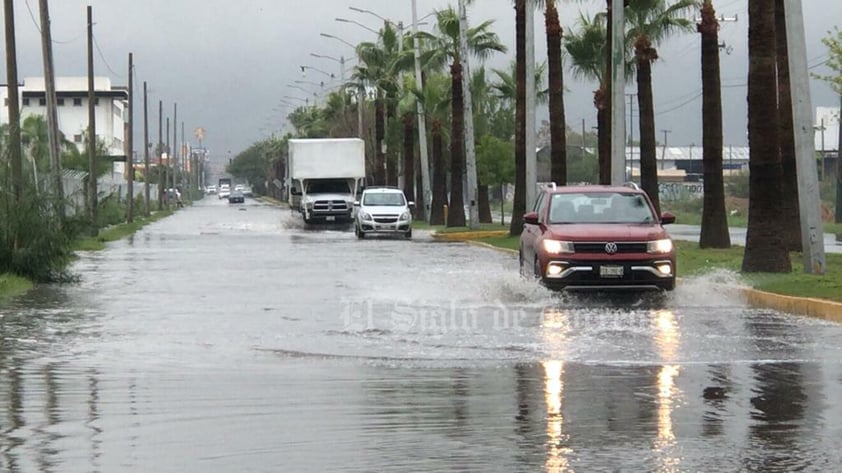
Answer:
(330, 218)
(611, 271)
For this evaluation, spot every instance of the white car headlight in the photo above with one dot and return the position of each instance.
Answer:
(405, 216)
(556, 247)
(659, 246)
(364, 216)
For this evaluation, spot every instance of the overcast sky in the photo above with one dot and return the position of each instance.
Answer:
(228, 63)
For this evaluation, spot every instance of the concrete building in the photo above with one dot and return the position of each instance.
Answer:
(72, 100)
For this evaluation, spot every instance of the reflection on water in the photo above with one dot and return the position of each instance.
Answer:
(557, 451)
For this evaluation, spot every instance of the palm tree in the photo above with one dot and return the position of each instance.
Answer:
(519, 203)
(380, 65)
(407, 108)
(435, 97)
(791, 216)
(650, 22)
(36, 144)
(714, 221)
(558, 126)
(586, 47)
(765, 250)
(482, 42)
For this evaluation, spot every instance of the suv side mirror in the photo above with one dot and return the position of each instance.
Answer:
(530, 218)
(667, 218)
(356, 203)
(294, 191)
(411, 204)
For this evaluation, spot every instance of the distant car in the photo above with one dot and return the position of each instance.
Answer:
(211, 189)
(224, 191)
(247, 191)
(383, 210)
(597, 237)
(236, 197)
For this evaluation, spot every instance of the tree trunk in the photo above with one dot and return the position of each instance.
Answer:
(519, 204)
(603, 134)
(14, 148)
(408, 156)
(714, 219)
(379, 132)
(484, 204)
(391, 146)
(765, 250)
(439, 197)
(606, 87)
(558, 140)
(456, 209)
(790, 214)
(420, 213)
(645, 55)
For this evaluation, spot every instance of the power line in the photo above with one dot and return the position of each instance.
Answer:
(38, 26)
(102, 56)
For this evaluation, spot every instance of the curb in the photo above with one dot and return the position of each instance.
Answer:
(804, 306)
(816, 308)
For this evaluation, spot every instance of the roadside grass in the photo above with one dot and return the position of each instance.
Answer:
(690, 213)
(117, 232)
(12, 285)
(694, 261)
(421, 225)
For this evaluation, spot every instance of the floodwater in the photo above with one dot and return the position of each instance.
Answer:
(229, 338)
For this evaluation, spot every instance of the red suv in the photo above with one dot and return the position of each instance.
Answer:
(597, 237)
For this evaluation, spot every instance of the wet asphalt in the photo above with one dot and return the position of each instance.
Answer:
(232, 338)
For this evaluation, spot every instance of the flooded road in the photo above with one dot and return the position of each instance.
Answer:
(229, 338)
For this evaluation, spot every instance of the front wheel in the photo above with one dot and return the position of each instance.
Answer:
(408, 234)
(360, 234)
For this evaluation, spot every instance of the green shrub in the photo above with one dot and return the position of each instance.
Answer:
(737, 185)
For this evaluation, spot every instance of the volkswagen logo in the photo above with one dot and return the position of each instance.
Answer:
(611, 248)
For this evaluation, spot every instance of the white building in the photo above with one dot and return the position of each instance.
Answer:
(72, 97)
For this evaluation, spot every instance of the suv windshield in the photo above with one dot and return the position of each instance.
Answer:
(328, 187)
(601, 207)
(384, 199)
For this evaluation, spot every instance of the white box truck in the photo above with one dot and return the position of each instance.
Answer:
(324, 177)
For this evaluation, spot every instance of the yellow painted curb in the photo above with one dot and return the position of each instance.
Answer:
(466, 236)
(820, 309)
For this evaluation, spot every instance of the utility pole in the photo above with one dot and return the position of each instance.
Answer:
(822, 128)
(422, 119)
(531, 156)
(92, 158)
(130, 145)
(838, 215)
(146, 150)
(52, 113)
(162, 170)
(470, 150)
(618, 86)
(15, 154)
(664, 152)
(629, 162)
(169, 161)
(174, 149)
(812, 234)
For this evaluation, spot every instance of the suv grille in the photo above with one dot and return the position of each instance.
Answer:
(599, 247)
(322, 205)
(385, 218)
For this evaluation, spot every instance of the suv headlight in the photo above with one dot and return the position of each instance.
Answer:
(556, 247)
(364, 215)
(405, 216)
(659, 246)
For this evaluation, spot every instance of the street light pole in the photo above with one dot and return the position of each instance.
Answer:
(531, 157)
(618, 85)
(422, 120)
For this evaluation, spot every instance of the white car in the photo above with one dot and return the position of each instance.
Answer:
(224, 191)
(383, 210)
